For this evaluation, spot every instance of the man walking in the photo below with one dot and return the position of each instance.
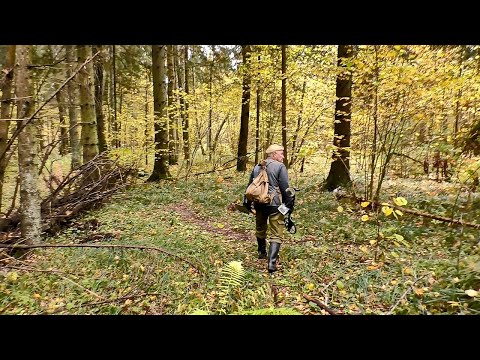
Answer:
(269, 213)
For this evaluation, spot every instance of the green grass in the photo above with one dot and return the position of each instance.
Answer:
(331, 258)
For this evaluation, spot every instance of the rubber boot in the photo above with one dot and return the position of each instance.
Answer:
(273, 256)
(262, 248)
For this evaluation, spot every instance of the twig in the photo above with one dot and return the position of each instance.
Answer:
(404, 294)
(17, 246)
(80, 286)
(322, 305)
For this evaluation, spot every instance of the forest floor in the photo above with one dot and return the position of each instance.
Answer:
(200, 258)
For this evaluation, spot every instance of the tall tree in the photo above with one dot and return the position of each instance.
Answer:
(160, 166)
(210, 104)
(89, 137)
(284, 103)
(116, 126)
(6, 87)
(27, 149)
(185, 124)
(257, 120)
(340, 167)
(74, 129)
(98, 69)
(172, 128)
(180, 67)
(243, 137)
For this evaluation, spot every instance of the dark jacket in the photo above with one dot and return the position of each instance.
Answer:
(278, 183)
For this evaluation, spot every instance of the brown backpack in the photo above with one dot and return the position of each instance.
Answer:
(257, 191)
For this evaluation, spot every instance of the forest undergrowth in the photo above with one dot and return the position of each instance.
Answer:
(344, 258)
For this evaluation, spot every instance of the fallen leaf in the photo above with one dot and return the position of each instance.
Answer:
(471, 293)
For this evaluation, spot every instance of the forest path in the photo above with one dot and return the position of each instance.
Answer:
(190, 216)
(239, 241)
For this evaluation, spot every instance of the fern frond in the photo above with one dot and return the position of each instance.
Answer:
(233, 275)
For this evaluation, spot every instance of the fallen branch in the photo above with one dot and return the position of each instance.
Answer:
(322, 305)
(19, 246)
(435, 217)
(418, 212)
(408, 157)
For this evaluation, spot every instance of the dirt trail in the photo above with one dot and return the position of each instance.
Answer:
(190, 216)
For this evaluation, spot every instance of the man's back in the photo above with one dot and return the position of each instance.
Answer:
(277, 178)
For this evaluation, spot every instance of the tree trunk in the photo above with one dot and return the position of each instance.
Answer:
(116, 124)
(5, 111)
(160, 166)
(373, 162)
(98, 66)
(27, 150)
(172, 156)
(284, 104)
(210, 106)
(74, 129)
(185, 124)
(340, 167)
(243, 138)
(257, 127)
(145, 132)
(89, 137)
(60, 97)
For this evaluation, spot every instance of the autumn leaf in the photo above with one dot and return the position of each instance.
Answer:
(340, 285)
(400, 201)
(387, 210)
(418, 291)
(471, 293)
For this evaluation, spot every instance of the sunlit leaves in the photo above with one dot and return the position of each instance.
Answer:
(400, 201)
(387, 210)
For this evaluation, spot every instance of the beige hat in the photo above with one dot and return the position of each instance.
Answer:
(274, 147)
